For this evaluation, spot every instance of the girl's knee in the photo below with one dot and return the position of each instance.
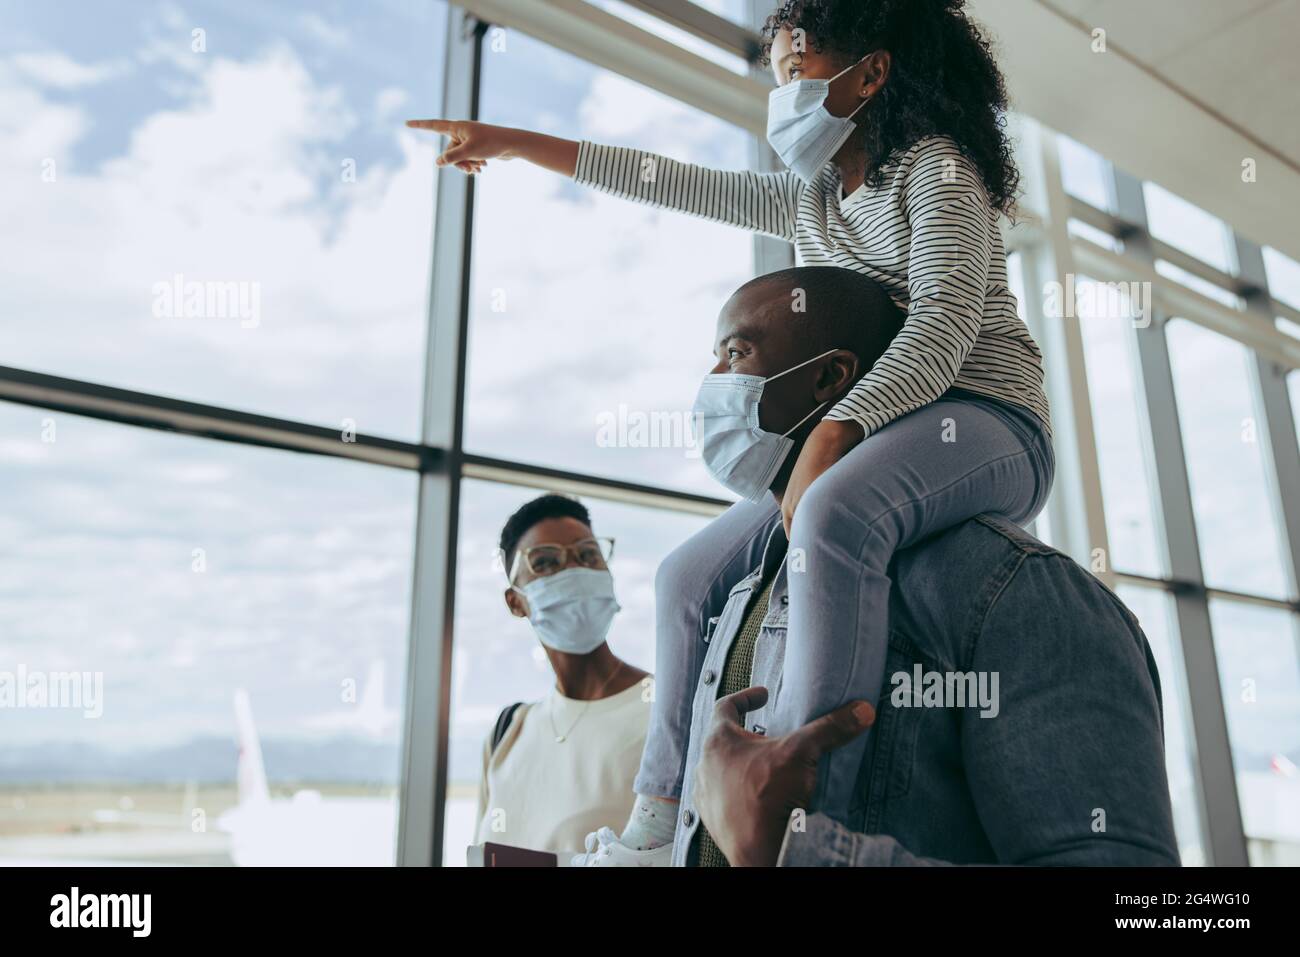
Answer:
(820, 507)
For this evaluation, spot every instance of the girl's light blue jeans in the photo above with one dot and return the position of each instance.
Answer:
(956, 458)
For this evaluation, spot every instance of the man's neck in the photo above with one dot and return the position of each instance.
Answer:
(587, 677)
(778, 493)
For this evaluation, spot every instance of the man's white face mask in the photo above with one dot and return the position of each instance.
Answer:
(736, 451)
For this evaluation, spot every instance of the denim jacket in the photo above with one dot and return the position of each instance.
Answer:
(1067, 769)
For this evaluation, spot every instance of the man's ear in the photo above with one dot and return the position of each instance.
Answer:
(516, 602)
(841, 370)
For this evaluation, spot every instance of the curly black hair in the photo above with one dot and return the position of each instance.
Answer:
(943, 80)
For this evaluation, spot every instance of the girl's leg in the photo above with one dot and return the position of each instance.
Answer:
(691, 587)
(922, 473)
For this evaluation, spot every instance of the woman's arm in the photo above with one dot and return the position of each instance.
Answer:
(760, 202)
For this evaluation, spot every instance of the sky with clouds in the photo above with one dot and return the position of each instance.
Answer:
(225, 165)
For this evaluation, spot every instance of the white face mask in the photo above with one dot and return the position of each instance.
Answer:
(572, 610)
(800, 129)
(736, 451)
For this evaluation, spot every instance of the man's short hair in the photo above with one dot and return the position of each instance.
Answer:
(530, 513)
(841, 309)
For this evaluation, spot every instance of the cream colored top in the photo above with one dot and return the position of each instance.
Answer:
(548, 795)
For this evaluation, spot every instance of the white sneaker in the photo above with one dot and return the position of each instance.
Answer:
(604, 849)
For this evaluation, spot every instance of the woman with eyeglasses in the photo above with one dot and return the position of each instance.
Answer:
(557, 769)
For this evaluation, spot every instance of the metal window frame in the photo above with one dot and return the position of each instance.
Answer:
(1216, 780)
(1048, 249)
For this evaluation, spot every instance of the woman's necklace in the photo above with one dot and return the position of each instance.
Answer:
(561, 738)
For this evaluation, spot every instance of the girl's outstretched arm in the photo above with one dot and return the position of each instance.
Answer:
(760, 202)
(470, 145)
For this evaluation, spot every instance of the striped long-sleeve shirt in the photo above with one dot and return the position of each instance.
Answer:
(927, 235)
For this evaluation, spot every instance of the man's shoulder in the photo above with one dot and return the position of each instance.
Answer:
(975, 546)
(952, 578)
(1017, 538)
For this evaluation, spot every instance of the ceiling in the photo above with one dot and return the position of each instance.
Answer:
(1236, 57)
(1186, 90)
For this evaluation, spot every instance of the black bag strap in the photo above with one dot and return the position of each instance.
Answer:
(503, 723)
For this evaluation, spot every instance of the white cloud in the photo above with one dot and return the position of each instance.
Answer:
(62, 72)
(389, 100)
(327, 33)
(233, 185)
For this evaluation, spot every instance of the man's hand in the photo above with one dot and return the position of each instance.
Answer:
(747, 785)
(826, 445)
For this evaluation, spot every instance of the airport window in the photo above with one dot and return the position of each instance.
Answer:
(1042, 524)
(283, 128)
(1283, 277)
(1224, 439)
(1203, 286)
(250, 225)
(1120, 423)
(1092, 234)
(608, 324)
(1256, 647)
(180, 577)
(1084, 174)
(498, 660)
(1187, 227)
(731, 9)
(1293, 387)
(1154, 610)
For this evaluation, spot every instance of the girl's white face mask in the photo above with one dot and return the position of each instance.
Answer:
(800, 129)
(735, 450)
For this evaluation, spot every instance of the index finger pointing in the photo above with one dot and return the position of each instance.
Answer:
(438, 126)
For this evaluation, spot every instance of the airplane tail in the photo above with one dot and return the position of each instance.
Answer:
(251, 773)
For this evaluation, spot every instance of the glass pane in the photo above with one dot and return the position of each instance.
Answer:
(731, 9)
(1122, 430)
(1260, 675)
(1223, 436)
(1084, 173)
(734, 10)
(218, 599)
(592, 318)
(1154, 610)
(1293, 387)
(1177, 222)
(1283, 277)
(245, 218)
(1077, 227)
(1203, 286)
(1041, 527)
(498, 660)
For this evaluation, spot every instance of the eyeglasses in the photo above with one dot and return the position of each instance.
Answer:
(543, 560)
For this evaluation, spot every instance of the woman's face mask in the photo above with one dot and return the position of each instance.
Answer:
(571, 610)
(735, 450)
(800, 129)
